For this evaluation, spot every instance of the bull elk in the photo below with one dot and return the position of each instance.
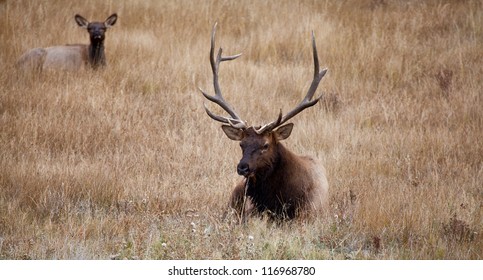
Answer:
(276, 181)
(72, 56)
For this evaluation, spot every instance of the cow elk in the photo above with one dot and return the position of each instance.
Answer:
(276, 181)
(72, 56)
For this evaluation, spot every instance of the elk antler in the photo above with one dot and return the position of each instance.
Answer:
(306, 102)
(234, 119)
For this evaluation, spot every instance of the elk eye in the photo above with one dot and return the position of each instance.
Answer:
(265, 147)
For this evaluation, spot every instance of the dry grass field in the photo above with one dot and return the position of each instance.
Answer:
(123, 163)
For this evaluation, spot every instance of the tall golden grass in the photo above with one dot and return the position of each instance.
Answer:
(124, 162)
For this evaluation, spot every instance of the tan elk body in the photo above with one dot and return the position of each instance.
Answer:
(71, 57)
(276, 181)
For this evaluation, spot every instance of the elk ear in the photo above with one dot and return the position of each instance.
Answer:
(82, 22)
(233, 133)
(284, 131)
(111, 20)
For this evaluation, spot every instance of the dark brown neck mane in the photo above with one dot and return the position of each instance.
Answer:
(269, 190)
(96, 54)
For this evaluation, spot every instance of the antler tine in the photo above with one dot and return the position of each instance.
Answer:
(307, 101)
(230, 121)
(271, 125)
(235, 119)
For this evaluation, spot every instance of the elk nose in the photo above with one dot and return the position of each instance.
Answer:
(96, 35)
(243, 169)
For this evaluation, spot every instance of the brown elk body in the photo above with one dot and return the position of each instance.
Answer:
(276, 181)
(74, 56)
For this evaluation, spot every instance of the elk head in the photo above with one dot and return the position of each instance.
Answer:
(258, 143)
(96, 29)
(259, 150)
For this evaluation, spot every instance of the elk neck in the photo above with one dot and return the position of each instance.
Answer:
(270, 185)
(96, 54)
(267, 189)
(277, 170)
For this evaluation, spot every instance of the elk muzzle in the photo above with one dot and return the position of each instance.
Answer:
(243, 169)
(97, 36)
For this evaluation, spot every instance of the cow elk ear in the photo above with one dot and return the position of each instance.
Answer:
(82, 22)
(233, 133)
(111, 20)
(284, 131)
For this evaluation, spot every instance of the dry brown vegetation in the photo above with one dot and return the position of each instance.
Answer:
(124, 162)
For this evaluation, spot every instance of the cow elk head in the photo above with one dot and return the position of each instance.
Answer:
(96, 29)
